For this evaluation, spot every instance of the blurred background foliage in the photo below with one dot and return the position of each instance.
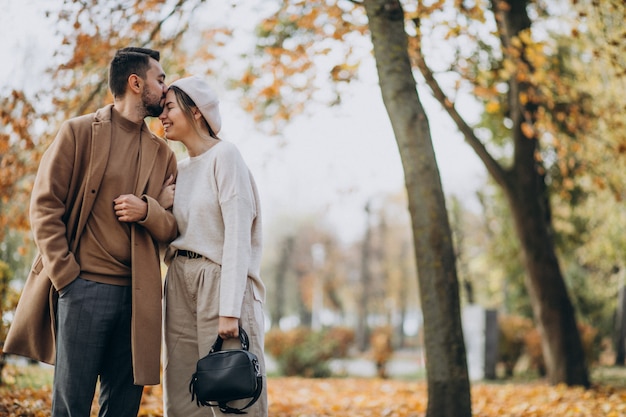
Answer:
(327, 298)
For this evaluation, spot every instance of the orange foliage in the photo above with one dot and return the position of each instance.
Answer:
(355, 397)
(382, 348)
(19, 157)
(286, 71)
(78, 85)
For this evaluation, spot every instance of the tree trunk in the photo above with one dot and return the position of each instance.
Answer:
(3, 363)
(619, 336)
(403, 297)
(280, 281)
(554, 314)
(526, 190)
(362, 330)
(447, 376)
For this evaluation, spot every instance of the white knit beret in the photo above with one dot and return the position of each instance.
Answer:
(204, 97)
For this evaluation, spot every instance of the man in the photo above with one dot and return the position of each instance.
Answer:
(92, 302)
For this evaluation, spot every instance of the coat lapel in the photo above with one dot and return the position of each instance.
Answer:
(146, 290)
(149, 150)
(100, 146)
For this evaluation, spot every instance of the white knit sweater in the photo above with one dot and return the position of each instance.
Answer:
(217, 209)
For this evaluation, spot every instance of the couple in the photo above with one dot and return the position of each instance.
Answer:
(103, 204)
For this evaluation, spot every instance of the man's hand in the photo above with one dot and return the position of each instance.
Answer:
(166, 197)
(130, 208)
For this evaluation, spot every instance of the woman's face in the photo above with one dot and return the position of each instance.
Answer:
(175, 124)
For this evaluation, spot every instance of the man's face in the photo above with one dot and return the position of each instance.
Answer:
(153, 95)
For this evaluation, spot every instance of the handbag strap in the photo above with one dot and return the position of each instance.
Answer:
(245, 344)
(243, 338)
(226, 409)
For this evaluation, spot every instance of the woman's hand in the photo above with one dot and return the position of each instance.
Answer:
(228, 327)
(166, 197)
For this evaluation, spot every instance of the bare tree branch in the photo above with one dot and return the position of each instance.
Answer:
(493, 167)
(153, 34)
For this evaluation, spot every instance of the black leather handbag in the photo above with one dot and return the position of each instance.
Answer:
(227, 375)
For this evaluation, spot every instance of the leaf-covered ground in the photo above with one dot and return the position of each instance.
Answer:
(352, 397)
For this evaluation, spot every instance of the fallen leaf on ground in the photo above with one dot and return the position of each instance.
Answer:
(361, 397)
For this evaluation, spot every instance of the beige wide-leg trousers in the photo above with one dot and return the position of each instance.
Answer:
(191, 308)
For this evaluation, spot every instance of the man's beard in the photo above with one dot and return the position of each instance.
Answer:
(151, 104)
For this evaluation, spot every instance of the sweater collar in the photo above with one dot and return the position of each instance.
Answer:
(124, 123)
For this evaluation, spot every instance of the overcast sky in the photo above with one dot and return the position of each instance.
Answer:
(330, 163)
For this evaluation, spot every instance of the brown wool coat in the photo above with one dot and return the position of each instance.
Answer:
(66, 186)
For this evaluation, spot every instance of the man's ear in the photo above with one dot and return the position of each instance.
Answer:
(134, 83)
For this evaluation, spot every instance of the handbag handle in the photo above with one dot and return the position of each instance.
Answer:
(224, 407)
(243, 338)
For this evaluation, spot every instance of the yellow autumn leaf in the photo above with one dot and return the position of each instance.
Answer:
(527, 130)
(523, 98)
(492, 107)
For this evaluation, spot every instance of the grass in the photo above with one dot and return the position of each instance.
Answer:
(27, 376)
(614, 376)
(40, 375)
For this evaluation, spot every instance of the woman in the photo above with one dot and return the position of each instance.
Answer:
(212, 285)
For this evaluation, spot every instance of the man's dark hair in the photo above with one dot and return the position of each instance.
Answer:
(127, 61)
